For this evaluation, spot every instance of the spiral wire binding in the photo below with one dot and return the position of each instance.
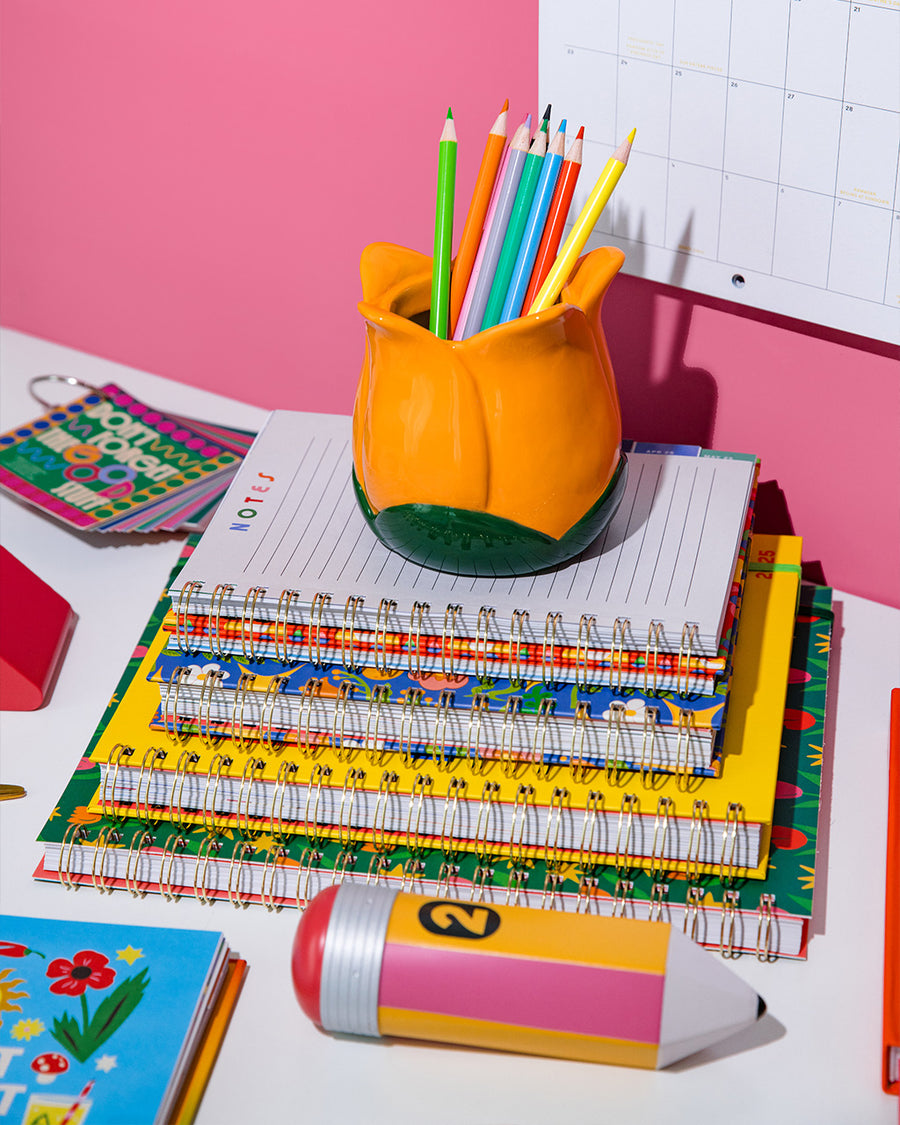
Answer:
(482, 627)
(352, 604)
(627, 809)
(765, 923)
(447, 667)
(353, 779)
(664, 808)
(411, 700)
(489, 798)
(214, 628)
(176, 812)
(651, 715)
(420, 788)
(582, 649)
(252, 769)
(517, 887)
(446, 876)
(182, 612)
(311, 691)
(692, 904)
(388, 781)
(276, 809)
(410, 874)
(577, 764)
(381, 694)
(558, 806)
(319, 604)
(274, 688)
(617, 651)
(516, 846)
(545, 711)
(176, 840)
(309, 856)
(273, 861)
(621, 897)
(208, 846)
(587, 853)
(451, 806)
(617, 711)
(551, 889)
(689, 634)
(74, 834)
(248, 626)
(473, 742)
(170, 704)
(587, 893)
(319, 775)
(139, 840)
(482, 877)
(345, 858)
(659, 898)
(107, 790)
(508, 761)
(282, 623)
(240, 850)
(419, 609)
(239, 701)
(211, 681)
(682, 769)
(208, 809)
(730, 902)
(729, 841)
(441, 711)
(548, 649)
(699, 813)
(380, 653)
(516, 625)
(339, 745)
(652, 653)
(108, 836)
(152, 758)
(378, 869)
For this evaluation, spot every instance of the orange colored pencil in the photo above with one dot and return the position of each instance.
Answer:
(556, 218)
(474, 227)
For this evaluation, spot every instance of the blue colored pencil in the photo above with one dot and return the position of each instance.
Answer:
(534, 227)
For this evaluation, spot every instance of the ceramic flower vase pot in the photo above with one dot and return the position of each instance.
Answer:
(495, 455)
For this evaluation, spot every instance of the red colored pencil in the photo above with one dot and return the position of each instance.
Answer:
(556, 218)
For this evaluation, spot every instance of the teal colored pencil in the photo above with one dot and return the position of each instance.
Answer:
(443, 230)
(534, 227)
(527, 185)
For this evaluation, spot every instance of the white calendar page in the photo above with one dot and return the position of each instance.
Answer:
(766, 166)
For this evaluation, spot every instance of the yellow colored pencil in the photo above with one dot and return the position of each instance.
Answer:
(584, 224)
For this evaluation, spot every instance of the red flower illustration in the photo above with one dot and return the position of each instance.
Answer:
(85, 968)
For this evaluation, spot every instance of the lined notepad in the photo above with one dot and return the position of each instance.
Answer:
(290, 522)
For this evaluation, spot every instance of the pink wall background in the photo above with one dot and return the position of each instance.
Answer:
(186, 188)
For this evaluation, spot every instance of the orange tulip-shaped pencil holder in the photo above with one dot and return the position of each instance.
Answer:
(498, 454)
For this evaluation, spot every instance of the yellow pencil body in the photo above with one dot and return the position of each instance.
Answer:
(581, 231)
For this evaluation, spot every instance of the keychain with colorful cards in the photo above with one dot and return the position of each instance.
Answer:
(108, 462)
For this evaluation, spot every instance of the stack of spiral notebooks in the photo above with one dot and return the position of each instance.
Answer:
(330, 712)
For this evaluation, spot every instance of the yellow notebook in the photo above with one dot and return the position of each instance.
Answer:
(493, 808)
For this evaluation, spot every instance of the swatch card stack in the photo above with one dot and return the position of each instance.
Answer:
(610, 735)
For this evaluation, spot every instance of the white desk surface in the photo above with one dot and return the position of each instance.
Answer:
(815, 1057)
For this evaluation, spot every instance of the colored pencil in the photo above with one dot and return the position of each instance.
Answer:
(584, 224)
(556, 218)
(518, 151)
(513, 237)
(443, 230)
(475, 219)
(544, 126)
(534, 227)
(460, 332)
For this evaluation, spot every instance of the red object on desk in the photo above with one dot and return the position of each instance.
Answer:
(890, 1060)
(35, 627)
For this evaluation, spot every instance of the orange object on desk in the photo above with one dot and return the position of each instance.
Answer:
(35, 626)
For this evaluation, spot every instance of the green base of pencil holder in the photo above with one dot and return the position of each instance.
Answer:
(479, 544)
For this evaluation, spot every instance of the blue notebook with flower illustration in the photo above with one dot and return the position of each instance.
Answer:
(102, 1024)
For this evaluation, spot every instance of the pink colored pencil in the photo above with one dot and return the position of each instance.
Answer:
(460, 330)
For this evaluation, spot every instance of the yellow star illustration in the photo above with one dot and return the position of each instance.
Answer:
(129, 954)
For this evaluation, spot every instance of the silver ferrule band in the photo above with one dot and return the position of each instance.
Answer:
(351, 959)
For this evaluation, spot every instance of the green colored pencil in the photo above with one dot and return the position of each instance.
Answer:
(522, 206)
(443, 230)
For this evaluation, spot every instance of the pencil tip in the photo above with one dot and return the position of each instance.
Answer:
(760, 1008)
(579, 136)
(505, 106)
(547, 112)
(563, 124)
(449, 113)
(631, 135)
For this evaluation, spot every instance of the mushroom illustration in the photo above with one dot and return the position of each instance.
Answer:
(49, 1065)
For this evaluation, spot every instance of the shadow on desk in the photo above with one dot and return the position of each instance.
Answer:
(764, 1031)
